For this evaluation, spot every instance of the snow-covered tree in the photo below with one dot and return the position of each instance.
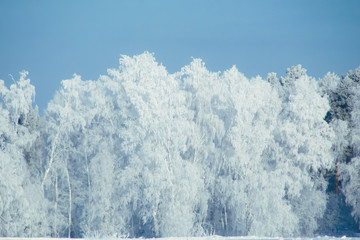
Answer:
(328, 84)
(341, 99)
(63, 167)
(301, 149)
(350, 176)
(257, 107)
(167, 197)
(214, 113)
(144, 153)
(350, 172)
(128, 148)
(22, 208)
(250, 140)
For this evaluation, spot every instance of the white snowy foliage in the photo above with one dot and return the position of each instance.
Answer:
(257, 107)
(22, 208)
(329, 83)
(162, 122)
(141, 152)
(341, 141)
(301, 150)
(355, 119)
(350, 172)
(350, 175)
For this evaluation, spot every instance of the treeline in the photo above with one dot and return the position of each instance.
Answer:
(144, 153)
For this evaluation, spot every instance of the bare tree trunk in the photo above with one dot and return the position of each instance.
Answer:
(53, 147)
(70, 201)
(336, 179)
(249, 218)
(56, 234)
(225, 217)
(156, 224)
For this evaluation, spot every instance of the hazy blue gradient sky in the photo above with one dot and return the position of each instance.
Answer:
(54, 39)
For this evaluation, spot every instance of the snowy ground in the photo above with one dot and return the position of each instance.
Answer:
(198, 238)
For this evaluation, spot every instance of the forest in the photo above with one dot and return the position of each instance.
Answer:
(141, 152)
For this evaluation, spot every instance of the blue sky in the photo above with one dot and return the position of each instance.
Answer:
(54, 39)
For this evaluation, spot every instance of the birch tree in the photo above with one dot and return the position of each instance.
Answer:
(22, 207)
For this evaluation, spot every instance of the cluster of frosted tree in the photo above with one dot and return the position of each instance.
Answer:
(22, 204)
(344, 116)
(141, 152)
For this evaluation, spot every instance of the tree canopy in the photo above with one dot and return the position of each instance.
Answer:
(141, 152)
